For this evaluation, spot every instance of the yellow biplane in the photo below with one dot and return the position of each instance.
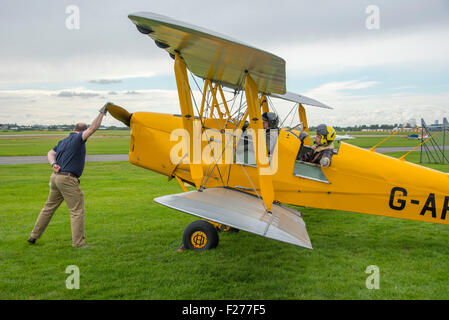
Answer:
(219, 146)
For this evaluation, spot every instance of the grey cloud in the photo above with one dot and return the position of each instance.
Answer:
(106, 81)
(270, 22)
(107, 38)
(112, 93)
(103, 50)
(71, 94)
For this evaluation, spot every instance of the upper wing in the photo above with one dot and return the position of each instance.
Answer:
(294, 97)
(213, 56)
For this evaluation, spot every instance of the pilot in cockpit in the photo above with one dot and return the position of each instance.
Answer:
(270, 124)
(322, 150)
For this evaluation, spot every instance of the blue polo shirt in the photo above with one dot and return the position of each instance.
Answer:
(71, 154)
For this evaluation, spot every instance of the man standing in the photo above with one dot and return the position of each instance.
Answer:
(67, 160)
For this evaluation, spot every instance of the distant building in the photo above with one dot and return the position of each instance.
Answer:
(437, 126)
(411, 123)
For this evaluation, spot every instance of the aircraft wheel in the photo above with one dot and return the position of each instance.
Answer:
(200, 235)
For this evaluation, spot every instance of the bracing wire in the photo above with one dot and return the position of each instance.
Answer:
(239, 118)
(196, 107)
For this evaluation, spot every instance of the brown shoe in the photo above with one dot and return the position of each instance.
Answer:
(82, 246)
(31, 240)
(181, 248)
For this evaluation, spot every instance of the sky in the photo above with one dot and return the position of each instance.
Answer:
(374, 62)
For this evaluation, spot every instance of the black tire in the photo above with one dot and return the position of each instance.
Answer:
(200, 235)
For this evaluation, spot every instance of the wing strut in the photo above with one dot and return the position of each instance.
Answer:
(264, 103)
(303, 119)
(185, 101)
(263, 167)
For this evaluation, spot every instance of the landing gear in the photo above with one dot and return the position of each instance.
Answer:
(200, 235)
(224, 228)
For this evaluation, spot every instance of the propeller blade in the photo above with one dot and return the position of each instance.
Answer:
(119, 113)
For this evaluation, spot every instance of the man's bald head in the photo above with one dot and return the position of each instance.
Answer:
(80, 127)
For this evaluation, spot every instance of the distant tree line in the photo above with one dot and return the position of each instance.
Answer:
(56, 127)
(364, 126)
(69, 127)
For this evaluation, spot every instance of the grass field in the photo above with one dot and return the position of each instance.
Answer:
(63, 133)
(415, 157)
(104, 143)
(117, 142)
(133, 242)
(368, 142)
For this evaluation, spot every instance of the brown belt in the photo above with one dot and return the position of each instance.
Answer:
(68, 174)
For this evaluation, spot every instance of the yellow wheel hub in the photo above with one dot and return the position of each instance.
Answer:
(198, 239)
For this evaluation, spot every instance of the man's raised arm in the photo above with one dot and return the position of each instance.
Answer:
(95, 124)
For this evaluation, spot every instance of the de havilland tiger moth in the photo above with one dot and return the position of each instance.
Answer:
(218, 145)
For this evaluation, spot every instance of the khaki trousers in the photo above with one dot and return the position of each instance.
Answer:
(63, 188)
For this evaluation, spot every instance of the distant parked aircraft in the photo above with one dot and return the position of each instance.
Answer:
(343, 137)
(417, 136)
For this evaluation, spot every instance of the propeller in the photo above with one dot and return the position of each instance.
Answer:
(119, 113)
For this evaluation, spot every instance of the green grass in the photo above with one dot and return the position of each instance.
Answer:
(64, 133)
(117, 142)
(370, 133)
(39, 146)
(415, 157)
(368, 142)
(133, 241)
